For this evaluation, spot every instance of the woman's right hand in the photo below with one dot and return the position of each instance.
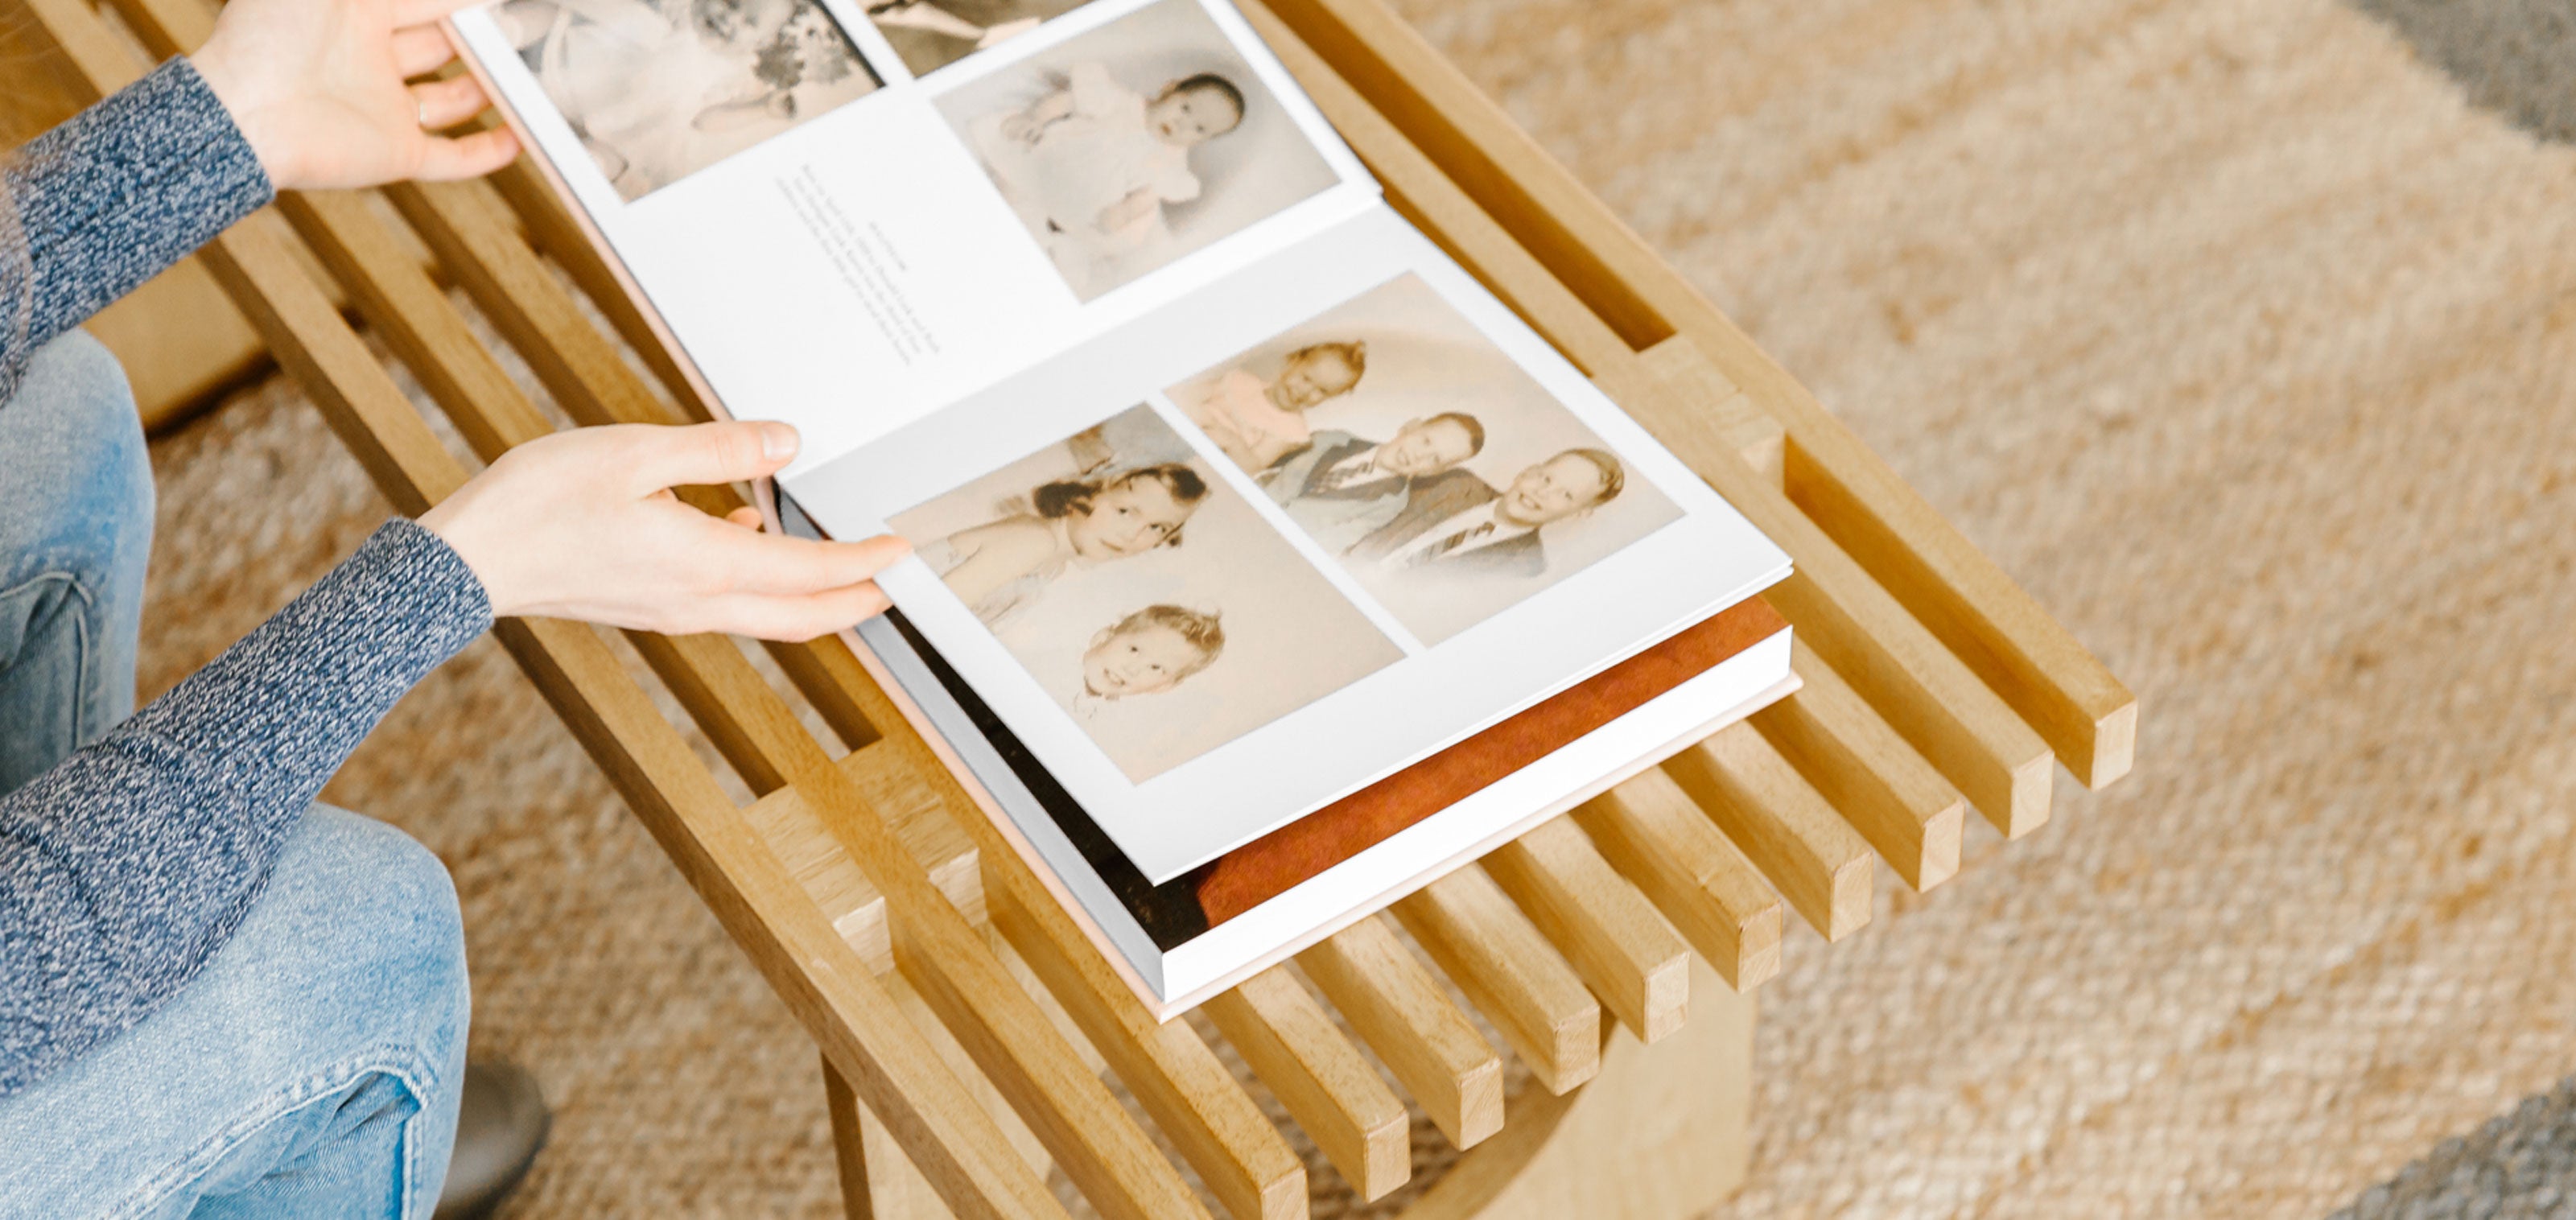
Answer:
(582, 524)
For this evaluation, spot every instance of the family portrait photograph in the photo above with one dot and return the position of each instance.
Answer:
(932, 34)
(1131, 145)
(660, 89)
(1149, 600)
(1417, 453)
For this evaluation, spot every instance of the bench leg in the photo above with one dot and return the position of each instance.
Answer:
(1660, 1134)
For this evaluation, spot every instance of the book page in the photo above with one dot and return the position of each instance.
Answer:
(1293, 532)
(846, 217)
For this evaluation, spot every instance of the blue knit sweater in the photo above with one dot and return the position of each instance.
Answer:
(129, 864)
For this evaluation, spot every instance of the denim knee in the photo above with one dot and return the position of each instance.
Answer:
(80, 476)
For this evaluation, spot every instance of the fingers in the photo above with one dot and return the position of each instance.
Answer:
(446, 103)
(421, 50)
(796, 618)
(746, 562)
(701, 454)
(746, 516)
(471, 156)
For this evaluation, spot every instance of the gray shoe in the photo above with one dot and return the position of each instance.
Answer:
(501, 1122)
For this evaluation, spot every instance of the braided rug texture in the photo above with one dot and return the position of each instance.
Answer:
(2235, 332)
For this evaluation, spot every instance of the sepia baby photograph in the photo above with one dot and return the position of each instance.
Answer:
(660, 89)
(1131, 145)
(1419, 455)
(1153, 604)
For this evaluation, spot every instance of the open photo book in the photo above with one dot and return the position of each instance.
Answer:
(1266, 565)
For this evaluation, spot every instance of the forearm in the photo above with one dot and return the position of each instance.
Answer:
(93, 208)
(129, 864)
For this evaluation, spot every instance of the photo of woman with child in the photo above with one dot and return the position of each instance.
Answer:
(1134, 144)
(1146, 597)
(1418, 454)
(660, 89)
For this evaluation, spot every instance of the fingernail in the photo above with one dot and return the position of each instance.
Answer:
(777, 441)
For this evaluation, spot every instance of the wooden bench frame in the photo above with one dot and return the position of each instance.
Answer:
(964, 1023)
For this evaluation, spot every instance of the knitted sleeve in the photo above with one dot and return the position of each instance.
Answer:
(132, 861)
(113, 197)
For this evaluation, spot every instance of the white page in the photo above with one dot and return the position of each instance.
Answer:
(1334, 672)
(859, 264)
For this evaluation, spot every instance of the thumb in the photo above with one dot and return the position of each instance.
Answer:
(697, 455)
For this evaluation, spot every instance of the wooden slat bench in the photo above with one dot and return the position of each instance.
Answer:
(966, 1027)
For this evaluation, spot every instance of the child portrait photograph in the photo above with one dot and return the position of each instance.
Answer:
(1146, 597)
(1419, 455)
(932, 34)
(1134, 144)
(660, 89)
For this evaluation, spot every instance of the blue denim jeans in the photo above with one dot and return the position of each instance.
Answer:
(312, 1069)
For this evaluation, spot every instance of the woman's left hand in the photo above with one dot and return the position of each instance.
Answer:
(318, 88)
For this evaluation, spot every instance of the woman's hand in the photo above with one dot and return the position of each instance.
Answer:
(317, 88)
(582, 524)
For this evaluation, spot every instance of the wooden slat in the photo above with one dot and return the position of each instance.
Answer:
(1842, 615)
(469, 228)
(1510, 973)
(1819, 863)
(1171, 1070)
(553, 232)
(2087, 715)
(825, 672)
(1243, 1159)
(1625, 951)
(892, 1066)
(1923, 690)
(1862, 768)
(1399, 1009)
(1752, 432)
(849, 1143)
(1651, 832)
(417, 320)
(1292, 1045)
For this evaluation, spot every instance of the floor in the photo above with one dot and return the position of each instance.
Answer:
(2243, 335)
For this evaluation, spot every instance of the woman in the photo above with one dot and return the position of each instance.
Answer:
(215, 996)
(1000, 567)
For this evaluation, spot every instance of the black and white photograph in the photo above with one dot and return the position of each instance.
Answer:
(657, 90)
(1419, 455)
(1131, 145)
(932, 34)
(1149, 600)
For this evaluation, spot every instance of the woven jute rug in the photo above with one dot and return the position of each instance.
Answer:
(2239, 333)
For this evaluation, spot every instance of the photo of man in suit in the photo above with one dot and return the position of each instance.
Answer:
(1340, 488)
(1459, 526)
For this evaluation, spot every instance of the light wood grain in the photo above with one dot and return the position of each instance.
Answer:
(1625, 951)
(1649, 829)
(1399, 1010)
(1755, 434)
(1917, 684)
(1009, 1037)
(472, 232)
(1818, 862)
(1290, 1042)
(553, 232)
(1661, 1132)
(1862, 768)
(2035, 664)
(1510, 973)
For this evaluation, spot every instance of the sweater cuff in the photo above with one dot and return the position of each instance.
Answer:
(339, 656)
(115, 196)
